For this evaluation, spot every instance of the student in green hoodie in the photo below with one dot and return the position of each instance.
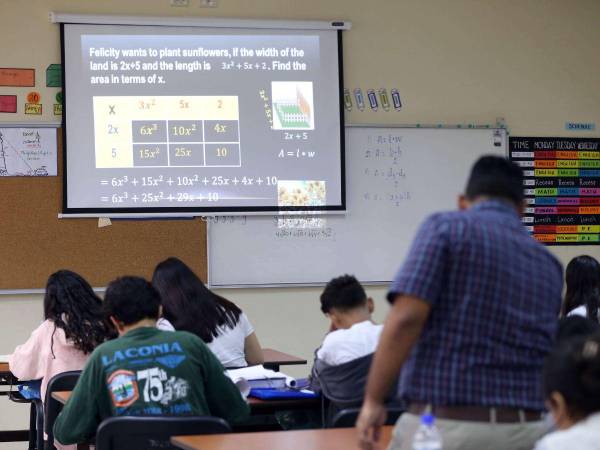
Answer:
(146, 371)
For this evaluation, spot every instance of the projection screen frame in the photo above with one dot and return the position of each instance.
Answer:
(167, 212)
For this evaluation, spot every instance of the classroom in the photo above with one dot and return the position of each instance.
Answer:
(530, 67)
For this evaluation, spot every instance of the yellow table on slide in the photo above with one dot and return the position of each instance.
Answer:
(166, 131)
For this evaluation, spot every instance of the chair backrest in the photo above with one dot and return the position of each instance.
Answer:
(346, 418)
(129, 432)
(65, 381)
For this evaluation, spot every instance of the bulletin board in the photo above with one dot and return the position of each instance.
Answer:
(35, 243)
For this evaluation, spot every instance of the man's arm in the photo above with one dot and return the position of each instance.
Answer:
(81, 416)
(401, 331)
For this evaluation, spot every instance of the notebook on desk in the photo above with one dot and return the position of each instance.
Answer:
(282, 394)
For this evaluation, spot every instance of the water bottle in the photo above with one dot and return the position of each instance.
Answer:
(427, 436)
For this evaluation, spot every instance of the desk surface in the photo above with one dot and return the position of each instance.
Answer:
(271, 357)
(276, 357)
(328, 439)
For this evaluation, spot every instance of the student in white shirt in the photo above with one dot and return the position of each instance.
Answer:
(572, 389)
(188, 305)
(582, 297)
(343, 360)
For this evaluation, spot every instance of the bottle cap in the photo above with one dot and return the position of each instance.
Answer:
(427, 419)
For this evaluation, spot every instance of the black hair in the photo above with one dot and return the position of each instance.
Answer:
(131, 299)
(575, 326)
(583, 286)
(573, 369)
(71, 304)
(343, 293)
(188, 304)
(497, 177)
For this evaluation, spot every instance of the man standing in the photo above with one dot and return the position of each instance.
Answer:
(474, 313)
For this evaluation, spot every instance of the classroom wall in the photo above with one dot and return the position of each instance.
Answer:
(533, 62)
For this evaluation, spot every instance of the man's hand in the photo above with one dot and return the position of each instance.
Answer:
(368, 426)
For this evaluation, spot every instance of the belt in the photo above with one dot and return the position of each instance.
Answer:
(478, 413)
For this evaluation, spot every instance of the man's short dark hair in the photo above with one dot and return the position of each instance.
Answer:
(131, 299)
(497, 177)
(343, 293)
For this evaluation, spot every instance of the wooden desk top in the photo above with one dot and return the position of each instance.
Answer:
(276, 357)
(4, 367)
(328, 439)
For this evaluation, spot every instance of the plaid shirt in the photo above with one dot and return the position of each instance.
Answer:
(495, 294)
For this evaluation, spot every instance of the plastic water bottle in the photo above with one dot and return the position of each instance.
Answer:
(427, 436)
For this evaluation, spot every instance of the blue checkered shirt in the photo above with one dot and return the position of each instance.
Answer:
(495, 294)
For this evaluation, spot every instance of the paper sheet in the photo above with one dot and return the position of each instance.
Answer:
(28, 152)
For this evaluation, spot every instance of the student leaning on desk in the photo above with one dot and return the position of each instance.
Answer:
(188, 305)
(146, 371)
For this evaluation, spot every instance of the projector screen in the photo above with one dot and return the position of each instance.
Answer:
(164, 119)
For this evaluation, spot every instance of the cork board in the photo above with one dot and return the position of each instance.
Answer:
(34, 242)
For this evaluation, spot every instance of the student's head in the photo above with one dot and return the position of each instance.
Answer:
(188, 304)
(73, 306)
(131, 301)
(583, 286)
(345, 302)
(572, 380)
(494, 177)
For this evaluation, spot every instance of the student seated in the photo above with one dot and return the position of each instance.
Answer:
(572, 389)
(343, 360)
(188, 305)
(582, 297)
(575, 326)
(73, 326)
(146, 371)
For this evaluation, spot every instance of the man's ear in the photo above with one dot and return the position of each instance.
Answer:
(522, 206)
(463, 202)
(370, 305)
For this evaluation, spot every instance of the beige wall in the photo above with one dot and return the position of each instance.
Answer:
(533, 62)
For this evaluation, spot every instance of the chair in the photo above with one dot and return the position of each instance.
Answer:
(136, 432)
(36, 419)
(346, 418)
(65, 381)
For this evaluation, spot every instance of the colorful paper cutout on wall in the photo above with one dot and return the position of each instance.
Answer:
(17, 77)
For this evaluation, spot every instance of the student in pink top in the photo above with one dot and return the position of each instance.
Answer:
(73, 326)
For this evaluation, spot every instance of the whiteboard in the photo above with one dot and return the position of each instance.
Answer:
(395, 178)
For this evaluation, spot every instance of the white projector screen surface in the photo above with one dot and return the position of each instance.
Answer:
(191, 119)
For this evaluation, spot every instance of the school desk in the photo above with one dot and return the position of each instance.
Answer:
(8, 379)
(274, 359)
(320, 439)
(257, 406)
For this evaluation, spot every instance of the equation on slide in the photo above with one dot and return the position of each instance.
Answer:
(167, 131)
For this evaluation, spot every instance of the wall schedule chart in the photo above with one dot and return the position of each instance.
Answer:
(562, 188)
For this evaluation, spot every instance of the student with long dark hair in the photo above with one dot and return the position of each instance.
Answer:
(572, 389)
(188, 305)
(73, 327)
(583, 288)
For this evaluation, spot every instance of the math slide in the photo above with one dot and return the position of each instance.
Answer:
(162, 118)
